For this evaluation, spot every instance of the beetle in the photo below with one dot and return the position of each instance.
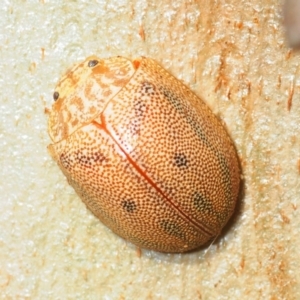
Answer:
(145, 154)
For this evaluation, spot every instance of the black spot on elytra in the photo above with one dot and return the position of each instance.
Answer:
(65, 161)
(202, 204)
(90, 159)
(171, 228)
(97, 157)
(148, 88)
(55, 95)
(144, 94)
(188, 114)
(129, 206)
(140, 108)
(180, 160)
(93, 63)
(134, 126)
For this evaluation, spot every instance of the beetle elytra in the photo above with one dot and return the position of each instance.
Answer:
(145, 154)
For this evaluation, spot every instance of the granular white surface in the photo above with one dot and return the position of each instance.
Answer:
(231, 53)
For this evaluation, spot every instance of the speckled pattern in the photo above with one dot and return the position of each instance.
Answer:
(150, 160)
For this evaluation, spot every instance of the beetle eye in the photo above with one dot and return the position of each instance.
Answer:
(55, 95)
(93, 63)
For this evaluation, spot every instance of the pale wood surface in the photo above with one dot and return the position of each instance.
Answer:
(231, 53)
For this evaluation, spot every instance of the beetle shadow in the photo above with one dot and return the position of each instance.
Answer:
(203, 250)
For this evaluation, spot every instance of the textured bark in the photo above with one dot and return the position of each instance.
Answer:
(235, 56)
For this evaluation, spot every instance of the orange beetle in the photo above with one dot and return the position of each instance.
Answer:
(144, 153)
